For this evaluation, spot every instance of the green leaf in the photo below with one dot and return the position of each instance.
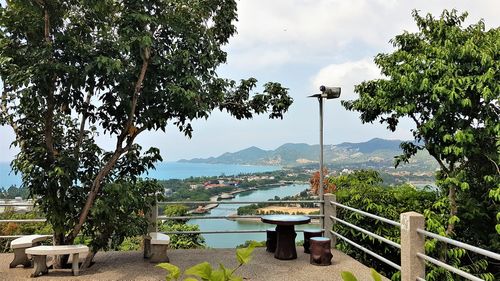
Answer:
(244, 255)
(217, 275)
(174, 271)
(227, 271)
(190, 279)
(347, 276)
(202, 270)
(375, 275)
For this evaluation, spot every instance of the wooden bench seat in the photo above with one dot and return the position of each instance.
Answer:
(19, 246)
(155, 247)
(40, 254)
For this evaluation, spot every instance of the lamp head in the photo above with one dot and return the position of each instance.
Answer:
(330, 92)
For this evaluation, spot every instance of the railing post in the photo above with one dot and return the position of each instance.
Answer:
(152, 215)
(330, 210)
(411, 244)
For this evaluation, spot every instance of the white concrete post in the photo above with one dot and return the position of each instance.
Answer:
(152, 215)
(411, 244)
(330, 210)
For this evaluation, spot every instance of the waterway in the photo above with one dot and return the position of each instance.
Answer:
(231, 240)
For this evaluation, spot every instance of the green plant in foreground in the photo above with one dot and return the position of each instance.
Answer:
(204, 271)
(347, 276)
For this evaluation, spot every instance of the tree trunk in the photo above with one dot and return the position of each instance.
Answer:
(88, 260)
(452, 197)
(62, 260)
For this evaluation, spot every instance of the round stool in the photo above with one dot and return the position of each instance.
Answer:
(321, 253)
(271, 240)
(308, 234)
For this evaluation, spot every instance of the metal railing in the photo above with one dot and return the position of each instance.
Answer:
(409, 268)
(459, 244)
(13, 205)
(367, 232)
(154, 218)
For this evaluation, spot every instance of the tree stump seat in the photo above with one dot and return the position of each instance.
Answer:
(308, 234)
(321, 253)
(40, 254)
(155, 247)
(271, 240)
(19, 247)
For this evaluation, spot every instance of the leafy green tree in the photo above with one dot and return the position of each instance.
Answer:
(119, 214)
(445, 79)
(181, 241)
(357, 178)
(72, 70)
(184, 240)
(388, 202)
(175, 210)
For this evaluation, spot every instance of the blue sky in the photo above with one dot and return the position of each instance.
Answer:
(302, 44)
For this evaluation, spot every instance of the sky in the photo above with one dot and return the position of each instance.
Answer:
(302, 44)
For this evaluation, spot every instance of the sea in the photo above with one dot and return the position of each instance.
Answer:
(175, 170)
(164, 171)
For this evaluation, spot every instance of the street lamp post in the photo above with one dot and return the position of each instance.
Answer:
(326, 93)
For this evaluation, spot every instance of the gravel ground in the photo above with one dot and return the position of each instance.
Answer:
(131, 266)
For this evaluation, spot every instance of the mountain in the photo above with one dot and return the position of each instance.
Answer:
(378, 151)
(372, 145)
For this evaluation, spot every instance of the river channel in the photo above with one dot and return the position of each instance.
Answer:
(231, 240)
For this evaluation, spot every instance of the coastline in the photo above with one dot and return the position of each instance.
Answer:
(221, 197)
(258, 220)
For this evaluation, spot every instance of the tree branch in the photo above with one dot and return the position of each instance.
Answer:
(46, 23)
(82, 123)
(135, 96)
(431, 151)
(119, 150)
(494, 163)
(49, 114)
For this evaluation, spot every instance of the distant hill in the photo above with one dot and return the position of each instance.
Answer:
(378, 151)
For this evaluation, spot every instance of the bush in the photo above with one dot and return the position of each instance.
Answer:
(184, 241)
(387, 202)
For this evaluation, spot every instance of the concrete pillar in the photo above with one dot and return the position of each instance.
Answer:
(411, 244)
(330, 210)
(152, 215)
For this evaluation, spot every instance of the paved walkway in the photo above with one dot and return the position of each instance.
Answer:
(263, 267)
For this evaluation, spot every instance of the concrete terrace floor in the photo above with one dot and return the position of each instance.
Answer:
(132, 266)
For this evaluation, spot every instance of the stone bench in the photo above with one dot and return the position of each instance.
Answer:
(40, 254)
(19, 246)
(155, 247)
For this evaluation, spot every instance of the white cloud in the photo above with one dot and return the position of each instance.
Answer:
(346, 75)
(308, 30)
(302, 44)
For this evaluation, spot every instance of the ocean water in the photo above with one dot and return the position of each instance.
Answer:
(164, 171)
(170, 170)
(231, 240)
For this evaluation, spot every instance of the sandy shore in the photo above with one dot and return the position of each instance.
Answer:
(288, 210)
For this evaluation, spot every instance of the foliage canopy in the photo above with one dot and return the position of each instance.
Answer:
(74, 70)
(445, 78)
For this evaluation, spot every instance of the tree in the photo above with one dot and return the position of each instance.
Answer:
(73, 70)
(356, 178)
(445, 79)
(328, 186)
